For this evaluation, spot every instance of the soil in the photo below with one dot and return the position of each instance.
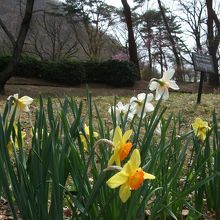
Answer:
(35, 87)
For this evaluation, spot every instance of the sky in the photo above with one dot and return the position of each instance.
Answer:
(171, 4)
(117, 3)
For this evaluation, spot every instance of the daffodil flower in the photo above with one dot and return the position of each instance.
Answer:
(22, 103)
(121, 110)
(121, 145)
(158, 129)
(200, 128)
(137, 104)
(162, 85)
(131, 177)
(87, 133)
(14, 142)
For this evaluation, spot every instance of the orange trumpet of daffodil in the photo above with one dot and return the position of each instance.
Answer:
(121, 145)
(131, 177)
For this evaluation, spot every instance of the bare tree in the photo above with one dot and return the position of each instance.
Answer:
(90, 22)
(173, 43)
(194, 18)
(17, 45)
(51, 38)
(131, 40)
(213, 37)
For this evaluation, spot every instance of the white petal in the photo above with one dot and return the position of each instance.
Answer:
(150, 97)
(15, 96)
(141, 96)
(26, 108)
(149, 107)
(26, 100)
(165, 94)
(127, 107)
(138, 111)
(153, 85)
(110, 110)
(159, 92)
(130, 116)
(168, 74)
(158, 128)
(173, 85)
(133, 99)
(120, 106)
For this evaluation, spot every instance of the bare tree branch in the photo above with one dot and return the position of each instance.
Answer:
(7, 32)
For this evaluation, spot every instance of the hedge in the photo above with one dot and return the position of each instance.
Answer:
(112, 72)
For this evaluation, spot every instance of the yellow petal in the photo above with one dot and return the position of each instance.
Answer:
(86, 129)
(111, 160)
(117, 160)
(124, 192)
(95, 134)
(135, 160)
(117, 180)
(84, 142)
(23, 134)
(10, 147)
(117, 138)
(114, 158)
(149, 176)
(126, 136)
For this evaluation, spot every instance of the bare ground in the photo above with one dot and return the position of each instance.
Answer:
(36, 87)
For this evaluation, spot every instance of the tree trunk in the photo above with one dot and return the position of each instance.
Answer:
(131, 40)
(213, 43)
(173, 44)
(18, 46)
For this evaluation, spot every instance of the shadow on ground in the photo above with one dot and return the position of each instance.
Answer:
(37, 87)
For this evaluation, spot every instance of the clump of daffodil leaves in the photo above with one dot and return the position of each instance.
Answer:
(120, 169)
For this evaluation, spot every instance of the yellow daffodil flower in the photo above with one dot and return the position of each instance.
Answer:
(87, 133)
(22, 103)
(122, 146)
(131, 177)
(12, 142)
(162, 85)
(200, 128)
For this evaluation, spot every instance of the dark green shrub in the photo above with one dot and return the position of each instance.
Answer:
(94, 72)
(66, 72)
(4, 61)
(119, 73)
(116, 73)
(112, 72)
(29, 67)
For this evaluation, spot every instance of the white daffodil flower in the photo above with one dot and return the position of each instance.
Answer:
(22, 103)
(162, 85)
(158, 129)
(121, 110)
(137, 104)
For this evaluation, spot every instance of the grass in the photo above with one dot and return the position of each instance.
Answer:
(183, 103)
